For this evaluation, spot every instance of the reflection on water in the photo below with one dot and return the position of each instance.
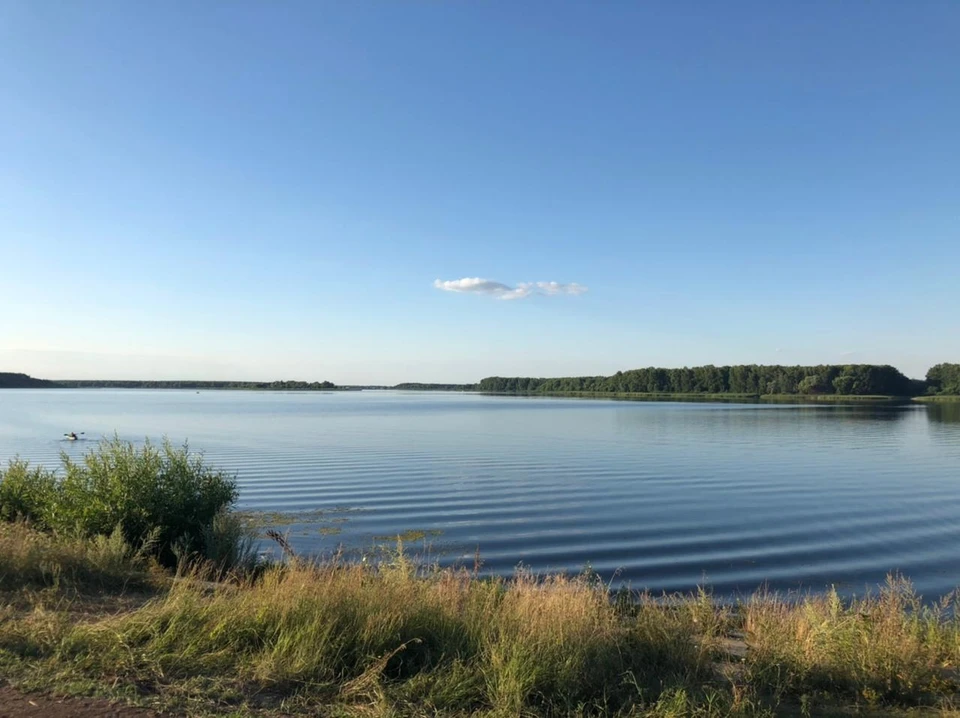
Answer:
(663, 495)
(944, 412)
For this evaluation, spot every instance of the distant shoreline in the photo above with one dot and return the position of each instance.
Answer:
(715, 398)
(55, 385)
(862, 383)
(696, 398)
(23, 381)
(691, 398)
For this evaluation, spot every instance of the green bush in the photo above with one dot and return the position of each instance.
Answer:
(159, 495)
(26, 493)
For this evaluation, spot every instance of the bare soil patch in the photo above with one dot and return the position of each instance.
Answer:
(14, 704)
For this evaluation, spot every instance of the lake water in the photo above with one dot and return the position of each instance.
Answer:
(659, 495)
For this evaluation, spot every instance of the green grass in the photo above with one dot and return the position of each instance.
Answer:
(390, 639)
(707, 397)
(30, 559)
(399, 639)
(949, 398)
(651, 396)
(813, 398)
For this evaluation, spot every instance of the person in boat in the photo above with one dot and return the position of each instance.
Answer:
(72, 436)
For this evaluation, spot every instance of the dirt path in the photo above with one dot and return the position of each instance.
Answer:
(14, 704)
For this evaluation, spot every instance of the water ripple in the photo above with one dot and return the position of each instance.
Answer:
(662, 495)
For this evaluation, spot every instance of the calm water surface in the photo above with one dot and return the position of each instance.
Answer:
(659, 495)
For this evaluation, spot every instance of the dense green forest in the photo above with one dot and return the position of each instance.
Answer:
(944, 379)
(752, 379)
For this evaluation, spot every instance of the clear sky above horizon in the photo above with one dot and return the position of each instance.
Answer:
(315, 190)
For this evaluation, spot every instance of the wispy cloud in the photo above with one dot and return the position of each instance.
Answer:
(499, 290)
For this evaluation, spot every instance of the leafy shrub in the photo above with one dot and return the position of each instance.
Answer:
(163, 496)
(26, 493)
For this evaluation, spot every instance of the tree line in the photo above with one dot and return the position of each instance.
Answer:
(188, 384)
(744, 379)
(11, 380)
(944, 379)
(23, 381)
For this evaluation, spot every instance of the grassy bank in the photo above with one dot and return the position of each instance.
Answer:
(706, 397)
(833, 398)
(947, 398)
(635, 395)
(398, 639)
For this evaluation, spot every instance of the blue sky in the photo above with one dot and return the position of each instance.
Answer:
(261, 190)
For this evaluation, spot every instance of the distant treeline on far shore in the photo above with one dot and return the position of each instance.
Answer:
(739, 380)
(23, 381)
(418, 386)
(745, 379)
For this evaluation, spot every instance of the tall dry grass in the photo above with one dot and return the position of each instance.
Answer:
(30, 559)
(444, 641)
(395, 638)
(890, 647)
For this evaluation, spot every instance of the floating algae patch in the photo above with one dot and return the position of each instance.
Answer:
(273, 519)
(411, 535)
(326, 522)
(307, 529)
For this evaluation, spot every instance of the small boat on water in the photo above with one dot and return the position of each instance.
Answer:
(73, 436)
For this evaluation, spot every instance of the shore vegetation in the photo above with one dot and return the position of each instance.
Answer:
(397, 638)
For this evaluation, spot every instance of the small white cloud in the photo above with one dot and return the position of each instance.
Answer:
(475, 285)
(499, 290)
